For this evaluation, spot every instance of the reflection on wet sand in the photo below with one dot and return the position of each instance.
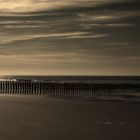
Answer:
(41, 117)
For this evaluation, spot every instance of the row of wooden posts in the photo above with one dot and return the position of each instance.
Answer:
(67, 88)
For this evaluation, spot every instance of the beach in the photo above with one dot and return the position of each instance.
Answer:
(30, 117)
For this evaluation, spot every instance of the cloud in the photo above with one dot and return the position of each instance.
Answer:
(69, 36)
(110, 25)
(6, 38)
(18, 6)
(108, 15)
(89, 36)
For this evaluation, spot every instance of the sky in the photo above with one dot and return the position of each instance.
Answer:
(69, 37)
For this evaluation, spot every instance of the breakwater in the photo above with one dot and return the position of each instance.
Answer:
(70, 88)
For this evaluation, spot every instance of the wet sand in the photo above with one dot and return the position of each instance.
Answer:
(41, 117)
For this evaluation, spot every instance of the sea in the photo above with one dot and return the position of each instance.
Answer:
(72, 78)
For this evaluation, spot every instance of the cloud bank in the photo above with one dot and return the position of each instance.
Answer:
(70, 37)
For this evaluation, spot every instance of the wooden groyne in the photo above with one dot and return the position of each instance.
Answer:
(70, 88)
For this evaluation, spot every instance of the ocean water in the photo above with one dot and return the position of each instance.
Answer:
(79, 85)
(72, 78)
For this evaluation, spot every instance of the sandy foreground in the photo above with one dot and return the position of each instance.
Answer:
(28, 117)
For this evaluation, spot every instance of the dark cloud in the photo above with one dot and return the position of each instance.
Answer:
(84, 36)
